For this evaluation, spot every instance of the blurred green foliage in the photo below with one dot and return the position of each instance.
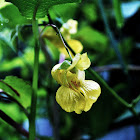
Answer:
(16, 59)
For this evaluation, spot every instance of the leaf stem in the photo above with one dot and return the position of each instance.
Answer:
(32, 129)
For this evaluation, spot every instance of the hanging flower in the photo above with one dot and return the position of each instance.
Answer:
(76, 93)
(67, 29)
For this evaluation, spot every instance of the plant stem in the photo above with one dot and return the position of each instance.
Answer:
(60, 36)
(109, 89)
(111, 37)
(62, 39)
(135, 101)
(112, 92)
(32, 128)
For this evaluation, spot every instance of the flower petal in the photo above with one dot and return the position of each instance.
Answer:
(72, 26)
(70, 100)
(59, 75)
(50, 34)
(80, 75)
(54, 71)
(73, 81)
(91, 91)
(84, 62)
(75, 61)
(76, 45)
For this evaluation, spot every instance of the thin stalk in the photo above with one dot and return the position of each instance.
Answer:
(32, 129)
(111, 37)
(62, 39)
(109, 89)
(135, 101)
(60, 35)
(112, 92)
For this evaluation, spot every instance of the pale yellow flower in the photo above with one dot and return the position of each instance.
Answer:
(68, 28)
(76, 93)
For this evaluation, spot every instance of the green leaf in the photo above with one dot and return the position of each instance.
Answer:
(65, 65)
(6, 45)
(18, 89)
(118, 13)
(13, 110)
(89, 11)
(10, 17)
(92, 39)
(64, 12)
(29, 7)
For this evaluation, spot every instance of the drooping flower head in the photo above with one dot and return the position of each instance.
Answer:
(76, 93)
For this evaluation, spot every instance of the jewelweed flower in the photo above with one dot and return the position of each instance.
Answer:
(76, 93)
(67, 29)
